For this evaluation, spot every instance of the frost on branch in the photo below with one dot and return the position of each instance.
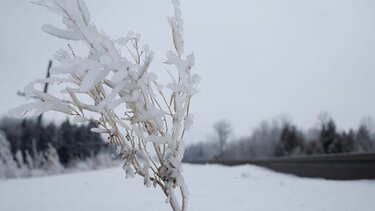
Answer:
(149, 131)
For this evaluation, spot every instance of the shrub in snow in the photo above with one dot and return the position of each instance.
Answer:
(22, 166)
(8, 167)
(52, 163)
(153, 121)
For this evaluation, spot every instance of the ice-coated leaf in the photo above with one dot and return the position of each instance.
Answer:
(29, 89)
(119, 75)
(85, 12)
(171, 57)
(105, 59)
(188, 121)
(151, 114)
(111, 49)
(115, 103)
(76, 66)
(176, 88)
(178, 14)
(196, 78)
(145, 170)
(40, 2)
(40, 107)
(22, 109)
(45, 96)
(159, 139)
(178, 104)
(113, 94)
(190, 60)
(64, 34)
(152, 76)
(71, 8)
(124, 40)
(128, 171)
(180, 154)
(182, 71)
(54, 106)
(193, 92)
(67, 65)
(171, 76)
(123, 124)
(80, 119)
(93, 36)
(98, 130)
(92, 78)
(159, 87)
(177, 37)
(61, 55)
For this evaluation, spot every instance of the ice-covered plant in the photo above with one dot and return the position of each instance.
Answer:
(145, 121)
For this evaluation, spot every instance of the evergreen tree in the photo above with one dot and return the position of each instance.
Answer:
(291, 142)
(328, 137)
(65, 142)
(346, 141)
(313, 147)
(28, 136)
(363, 139)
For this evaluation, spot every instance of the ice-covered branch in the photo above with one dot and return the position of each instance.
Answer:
(149, 134)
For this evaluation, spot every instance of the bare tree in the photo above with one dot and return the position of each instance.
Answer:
(223, 129)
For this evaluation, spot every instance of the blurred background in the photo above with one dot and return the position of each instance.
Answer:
(279, 78)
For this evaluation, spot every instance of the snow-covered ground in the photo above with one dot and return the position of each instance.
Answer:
(212, 187)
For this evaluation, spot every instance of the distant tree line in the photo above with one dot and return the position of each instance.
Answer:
(283, 139)
(71, 142)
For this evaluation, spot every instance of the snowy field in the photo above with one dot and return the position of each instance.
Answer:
(212, 187)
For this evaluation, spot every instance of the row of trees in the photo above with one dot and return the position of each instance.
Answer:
(282, 138)
(326, 141)
(72, 142)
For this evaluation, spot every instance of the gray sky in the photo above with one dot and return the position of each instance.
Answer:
(258, 59)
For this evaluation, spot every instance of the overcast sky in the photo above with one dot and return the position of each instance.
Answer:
(258, 59)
